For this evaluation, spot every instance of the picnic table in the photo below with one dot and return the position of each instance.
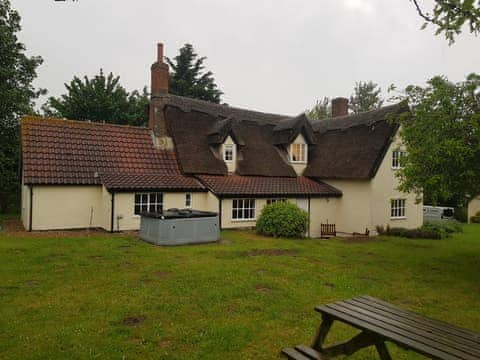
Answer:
(378, 322)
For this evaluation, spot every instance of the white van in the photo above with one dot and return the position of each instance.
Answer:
(434, 213)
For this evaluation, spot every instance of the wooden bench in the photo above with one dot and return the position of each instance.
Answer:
(327, 230)
(378, 322)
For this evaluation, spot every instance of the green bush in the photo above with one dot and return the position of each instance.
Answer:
(461, 214)
(282, 219)
(444, 228)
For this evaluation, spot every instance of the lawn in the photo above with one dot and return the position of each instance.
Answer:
(112, 296)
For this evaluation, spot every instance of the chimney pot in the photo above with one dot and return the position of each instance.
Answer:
(339, 107)
(160, 52)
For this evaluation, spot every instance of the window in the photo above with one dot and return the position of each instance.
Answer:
(188, 200)
(148, 202)
(228, 152)
(397, 208)
(298, 153)
(271, 201)
(397, 156)
(243, 209)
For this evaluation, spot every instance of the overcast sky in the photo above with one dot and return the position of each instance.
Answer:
(269, 55)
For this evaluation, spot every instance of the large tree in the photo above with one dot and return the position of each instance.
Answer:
(449, 17)
(188, 78)
(17, 95)
(321, 110)
(100, 98)
(366, 97)
(442, 135)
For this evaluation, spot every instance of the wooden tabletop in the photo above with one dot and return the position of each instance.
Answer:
(433, 338)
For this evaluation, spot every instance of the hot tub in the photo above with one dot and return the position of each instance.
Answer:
(179, 226)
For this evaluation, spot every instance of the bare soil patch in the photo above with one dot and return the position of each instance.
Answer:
(133, 320)
(330, 285)
(162, 274)
(271, 252)
(15, 227)
(263, 288)
(358, 239)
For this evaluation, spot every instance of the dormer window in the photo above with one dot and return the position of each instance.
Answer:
(228, 152)
(298, 153)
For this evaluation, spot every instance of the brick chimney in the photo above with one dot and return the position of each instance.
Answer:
(159, 74)
(159, 88)
(339, 107)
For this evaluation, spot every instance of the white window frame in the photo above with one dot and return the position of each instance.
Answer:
(188, 200)
(147, 202)
(230, 150)
(274, 200)
(303, 151)
(398, 209)
(397, 156)
(243, 209)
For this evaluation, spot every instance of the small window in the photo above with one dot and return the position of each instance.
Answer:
(298, 153)
(188, 200)
(397, 209)
(148, 202)
(271, 201)
(243, 209)
(228, 152)
(397, 156)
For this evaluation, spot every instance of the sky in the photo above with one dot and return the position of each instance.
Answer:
(276, 56)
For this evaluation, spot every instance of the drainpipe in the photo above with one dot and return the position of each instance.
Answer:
(31, 209)
(112, 219)
(220, 213)
(309, 220)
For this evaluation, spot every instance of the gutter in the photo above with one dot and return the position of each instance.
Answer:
(220, 212)
(112, 219)
(31, 209)
(308, 227)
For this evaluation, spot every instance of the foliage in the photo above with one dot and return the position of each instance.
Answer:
(429, 230)
(282, 219)
(188, 78)
(442, 136)
(17, 95)
(321, 110)
(444, 228)
(449, 17)
(366, 97)
(461, 213)
(418, 233)
(101, 98)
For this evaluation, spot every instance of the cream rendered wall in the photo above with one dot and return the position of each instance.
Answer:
(231, 165)
(384, 188)
(473, 207)
(125, 209)
(300, 167)
(25, 206)
(66, 207)
(353, 209)
(322, 211)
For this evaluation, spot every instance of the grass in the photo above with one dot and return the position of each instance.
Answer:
(115, 297)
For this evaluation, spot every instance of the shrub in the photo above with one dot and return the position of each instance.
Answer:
(461, 214)
(446, 228)
(282, 219)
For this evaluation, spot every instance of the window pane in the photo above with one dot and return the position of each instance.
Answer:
(137, 198)
(137, 209)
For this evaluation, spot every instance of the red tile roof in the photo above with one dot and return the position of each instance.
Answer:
(59, 151)
(235, 185)
(119, 182)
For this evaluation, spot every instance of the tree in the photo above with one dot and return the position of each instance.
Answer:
(187, 76)
(17, 95)
(101, 98)
(321, 110)
(449, 17)
(442, 136)
(366, 97)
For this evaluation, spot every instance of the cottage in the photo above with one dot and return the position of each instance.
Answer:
(206, 156)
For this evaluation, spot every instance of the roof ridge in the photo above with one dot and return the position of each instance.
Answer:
(80, 122)
(222, 106)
